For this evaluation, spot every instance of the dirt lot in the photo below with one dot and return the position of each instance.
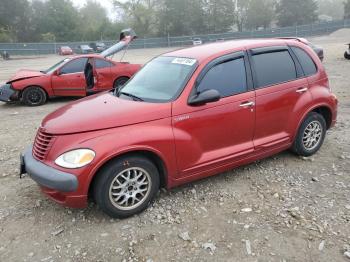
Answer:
(283, 208)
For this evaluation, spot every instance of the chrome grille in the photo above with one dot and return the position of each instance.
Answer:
(42, 144)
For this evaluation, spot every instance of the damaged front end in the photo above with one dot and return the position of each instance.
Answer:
(8, 94)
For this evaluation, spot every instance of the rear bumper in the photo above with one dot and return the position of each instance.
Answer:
(7, 93)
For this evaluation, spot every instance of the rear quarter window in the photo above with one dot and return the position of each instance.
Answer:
(99, 63)
(273, 68)
(305, 60)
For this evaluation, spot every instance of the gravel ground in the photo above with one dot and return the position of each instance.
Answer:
(283, 208)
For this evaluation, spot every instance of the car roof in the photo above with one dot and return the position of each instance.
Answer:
(88, 56)
(202, 52)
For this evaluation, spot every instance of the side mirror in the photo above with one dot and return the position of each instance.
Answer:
(57, 72)
(207, 96)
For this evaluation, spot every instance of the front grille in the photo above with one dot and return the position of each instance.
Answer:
(42, 144)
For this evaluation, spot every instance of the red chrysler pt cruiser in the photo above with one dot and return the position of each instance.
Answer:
(185, 115)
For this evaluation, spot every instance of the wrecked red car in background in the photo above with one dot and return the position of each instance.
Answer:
(65, 50)
(75, 76)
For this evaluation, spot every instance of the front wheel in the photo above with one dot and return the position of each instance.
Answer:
(34, 96)
(310, 135)
(126, 186)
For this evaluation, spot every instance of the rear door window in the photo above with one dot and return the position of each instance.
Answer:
(74, 66)
(229, 78)
(273, 68)
(305, 60)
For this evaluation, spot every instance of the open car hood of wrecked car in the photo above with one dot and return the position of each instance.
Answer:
(126, 37)
(24, 74)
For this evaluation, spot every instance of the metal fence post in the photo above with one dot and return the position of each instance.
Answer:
(168, 40)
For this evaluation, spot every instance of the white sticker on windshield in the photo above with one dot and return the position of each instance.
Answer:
(184, 61)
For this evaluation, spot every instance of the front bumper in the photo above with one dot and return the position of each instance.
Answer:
(47, 176)
(6, 92)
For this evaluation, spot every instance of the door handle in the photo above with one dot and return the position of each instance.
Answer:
(247, 104)
(301, 90)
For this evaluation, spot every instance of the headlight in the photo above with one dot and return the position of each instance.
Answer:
(75, 158)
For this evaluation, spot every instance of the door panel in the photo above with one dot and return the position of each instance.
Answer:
(282, 91)
(214, 135)
(70, 80)
(277, 108)
(69, 84)
(104, 79)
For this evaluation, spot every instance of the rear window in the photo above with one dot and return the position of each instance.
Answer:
(228, 78)
(305, 60)
(274, 68)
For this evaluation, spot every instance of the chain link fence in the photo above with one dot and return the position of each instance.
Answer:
(321, 28)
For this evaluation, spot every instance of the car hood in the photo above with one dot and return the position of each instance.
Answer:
(24, 74)
(102, 111)
(126, 37)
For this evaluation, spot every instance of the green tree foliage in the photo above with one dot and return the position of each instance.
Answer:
(15, 20)
(219, 15)
(93, 20)
(347, 9)
(181, 17)
(296, 12)
(60, 20)
(260, 13)
(331, 8)
(140, 14)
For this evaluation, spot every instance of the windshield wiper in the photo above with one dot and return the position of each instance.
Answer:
(136, 98)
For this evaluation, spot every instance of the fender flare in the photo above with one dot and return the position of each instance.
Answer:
(310, 109)
(124, 151)
(22, 90)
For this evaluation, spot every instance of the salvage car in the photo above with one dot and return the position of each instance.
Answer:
(347, 53)
(65, 50)
(79, 75)
(185, 115)
(197, 41)
(98, 47)
(85, 49)
(317, 49)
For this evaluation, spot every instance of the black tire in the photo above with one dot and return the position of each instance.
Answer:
(34, 96)
(113, 173)
(309, 142)
(120, 82)
(347, 56)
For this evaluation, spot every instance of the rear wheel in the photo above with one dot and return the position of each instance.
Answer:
(126, 186)
(34, 96)
(311, 135)
(120, 82)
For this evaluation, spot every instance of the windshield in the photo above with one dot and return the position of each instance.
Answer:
(160, 80)
(85, 46)
(55, 66)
